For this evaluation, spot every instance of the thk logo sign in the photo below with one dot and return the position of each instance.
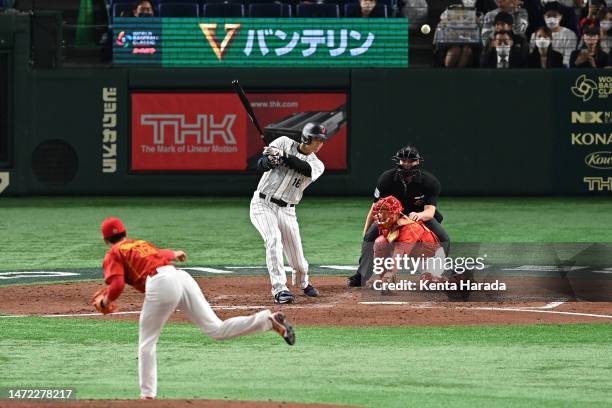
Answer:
(178, 129)
(591, 117)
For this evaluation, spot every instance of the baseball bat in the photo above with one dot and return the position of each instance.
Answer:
(247, 106)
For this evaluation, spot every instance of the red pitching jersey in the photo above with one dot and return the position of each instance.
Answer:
(134, 260)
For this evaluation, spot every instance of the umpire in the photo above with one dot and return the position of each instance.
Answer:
(417, 190)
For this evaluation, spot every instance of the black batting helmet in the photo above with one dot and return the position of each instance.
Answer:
(313, 129)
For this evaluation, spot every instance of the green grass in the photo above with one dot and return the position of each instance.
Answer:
(375, 367)
(545, 365)
(64, 232)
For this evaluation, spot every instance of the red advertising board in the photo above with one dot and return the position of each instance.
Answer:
(212, 132)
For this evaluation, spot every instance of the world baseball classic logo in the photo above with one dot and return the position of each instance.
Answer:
(584, 88)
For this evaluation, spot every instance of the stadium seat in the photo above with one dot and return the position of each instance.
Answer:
(223, 10)
(308, 10)
(266, 10)
(179, 10)
(123, 9)
(354, 10)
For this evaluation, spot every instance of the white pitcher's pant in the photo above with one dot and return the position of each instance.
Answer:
(278, 226)
(172, 288)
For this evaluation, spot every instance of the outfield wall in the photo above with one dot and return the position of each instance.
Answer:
(482, 132)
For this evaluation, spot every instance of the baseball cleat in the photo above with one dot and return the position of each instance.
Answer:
(311, 291)
(283, 297)
(281, 325)
(354, 281)
(147, 398)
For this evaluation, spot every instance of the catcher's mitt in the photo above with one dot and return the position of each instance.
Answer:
(97, 302)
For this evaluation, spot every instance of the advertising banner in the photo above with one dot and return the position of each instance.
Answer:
(584, 148)
(262, 42)
(212, 132)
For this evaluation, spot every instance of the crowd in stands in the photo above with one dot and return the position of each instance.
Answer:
(525, 34)
(469, 33)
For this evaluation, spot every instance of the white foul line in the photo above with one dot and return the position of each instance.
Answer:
(205, 269)
(501, 309)
(550, 305)
(535, 309)
(239, 307)
(424, 305)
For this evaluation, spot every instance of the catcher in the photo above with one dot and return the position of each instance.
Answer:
(149, 269)
(417, 190)
(399, 235)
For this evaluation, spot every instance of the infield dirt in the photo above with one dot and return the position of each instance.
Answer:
(337, 306)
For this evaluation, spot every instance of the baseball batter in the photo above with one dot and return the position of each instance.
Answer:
(289, 167)
(149, 269)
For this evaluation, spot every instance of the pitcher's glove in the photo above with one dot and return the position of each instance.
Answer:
(274, 154)
(98, 302)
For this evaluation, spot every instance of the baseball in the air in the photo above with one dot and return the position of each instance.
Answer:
(425, 29)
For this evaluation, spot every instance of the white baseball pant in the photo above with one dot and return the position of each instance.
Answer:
(278, 226)
(172, 288)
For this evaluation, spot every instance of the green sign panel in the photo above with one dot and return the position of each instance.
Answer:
(266, 42)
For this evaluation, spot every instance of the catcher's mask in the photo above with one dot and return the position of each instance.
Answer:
(408, 153)
(387, 210)
(313, 129)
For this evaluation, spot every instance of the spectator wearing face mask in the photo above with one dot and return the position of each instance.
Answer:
(543, 55)
(519, 16)
(591, 54)
(502, 55)
(563, 39)
(535, 9)
(605, 32)
(143, 9)
(504, 22)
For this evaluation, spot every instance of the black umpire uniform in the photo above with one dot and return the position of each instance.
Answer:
(414, 188)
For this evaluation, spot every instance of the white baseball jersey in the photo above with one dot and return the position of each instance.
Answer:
(283, 183)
